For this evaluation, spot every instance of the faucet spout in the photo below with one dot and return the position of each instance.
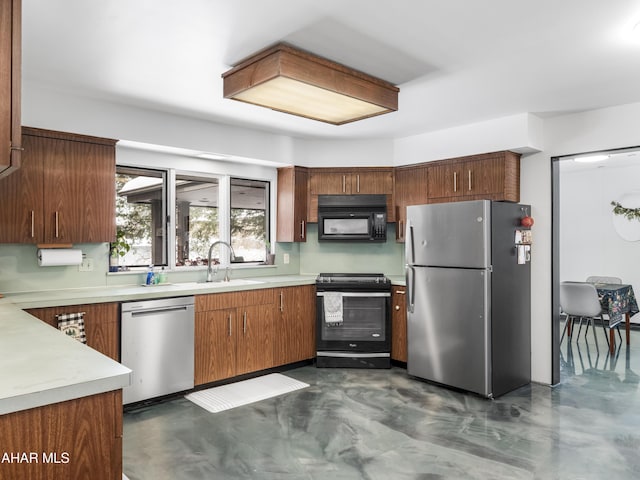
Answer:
(232, 256)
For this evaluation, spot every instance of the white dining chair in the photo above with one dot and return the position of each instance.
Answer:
(605, 317)
(580, 300)
(599, 279)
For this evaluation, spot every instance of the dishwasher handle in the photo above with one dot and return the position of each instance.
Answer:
(146, 311)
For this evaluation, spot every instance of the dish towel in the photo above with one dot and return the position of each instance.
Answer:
(72, 324)
(333, 308)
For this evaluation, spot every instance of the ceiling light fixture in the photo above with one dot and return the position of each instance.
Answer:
(591, 158)
(293, 81)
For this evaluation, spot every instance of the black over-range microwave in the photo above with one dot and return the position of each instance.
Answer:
(352, 218)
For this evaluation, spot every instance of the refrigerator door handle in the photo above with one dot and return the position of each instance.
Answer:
(411, 285)
(412, 247)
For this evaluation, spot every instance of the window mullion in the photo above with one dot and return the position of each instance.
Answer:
(224, 217)
(170, 221)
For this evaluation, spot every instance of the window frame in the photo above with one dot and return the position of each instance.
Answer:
(224, 212)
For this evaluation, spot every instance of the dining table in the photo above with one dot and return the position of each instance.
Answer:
(619, 303)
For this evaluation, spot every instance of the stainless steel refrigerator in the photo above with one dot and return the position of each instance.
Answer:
(469, 303)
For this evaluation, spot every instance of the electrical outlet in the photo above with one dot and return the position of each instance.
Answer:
(86, 265)
(285, 259)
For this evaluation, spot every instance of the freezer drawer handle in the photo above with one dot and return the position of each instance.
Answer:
(411, 273)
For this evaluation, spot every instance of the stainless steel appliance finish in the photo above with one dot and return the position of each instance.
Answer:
(468, 304)
(362, 337)
(157, 340)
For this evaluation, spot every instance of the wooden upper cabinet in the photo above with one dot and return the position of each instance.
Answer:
(10, 80)
(292, 204)
(64, 192)
(410, 189)
(491, 176)
(350, 181)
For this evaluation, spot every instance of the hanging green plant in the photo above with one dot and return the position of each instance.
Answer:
(628, 213)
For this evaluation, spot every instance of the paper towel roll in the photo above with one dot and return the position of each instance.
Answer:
(51, 257)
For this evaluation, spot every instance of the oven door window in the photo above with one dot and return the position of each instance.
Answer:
(363, 320)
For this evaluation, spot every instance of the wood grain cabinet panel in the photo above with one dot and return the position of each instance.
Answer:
(295, 325)
(491, 176)
(76, 439)
(399, 324)
(10, 85)
(101, 324)
(234, 334)
(292, 204)
(215, 346)
(350, 181)
(410, 189)
(66, 189)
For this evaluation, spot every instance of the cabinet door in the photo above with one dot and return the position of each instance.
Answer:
(445, 180)
(372, 182)
(79, 190)
(292, 204)
(295, 325)
(329, 183)
(215, 346)
(399, 324)
(410, 189)
(254, 338)
(10, 80)
(21, 202)
(101, 324)
(484, 177)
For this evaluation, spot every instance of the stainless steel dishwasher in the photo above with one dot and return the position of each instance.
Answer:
(157, 338)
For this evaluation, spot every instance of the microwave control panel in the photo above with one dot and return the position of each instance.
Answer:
(379, 230)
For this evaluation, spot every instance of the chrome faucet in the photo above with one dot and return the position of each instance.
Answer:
(232, 256)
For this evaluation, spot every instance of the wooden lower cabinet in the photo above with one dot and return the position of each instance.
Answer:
(101, 324)
(79, 438)
(234, 334)
(295, 324)
(399, 324)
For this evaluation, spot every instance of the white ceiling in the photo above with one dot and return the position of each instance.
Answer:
(456, 61)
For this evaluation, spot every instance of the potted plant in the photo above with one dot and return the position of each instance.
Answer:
(117, 249)
(270, 257)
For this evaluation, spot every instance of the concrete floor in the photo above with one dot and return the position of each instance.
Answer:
(382, 424)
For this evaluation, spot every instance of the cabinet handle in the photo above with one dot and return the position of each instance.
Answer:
(230, 324)
(358, 183)
(455, 181)
(400, 292)
(397, 307)
(302, 229)
(281, 301)
(469, 180)
(344, 183)
(33, 226)
(57, 225)
(244, 323)
(16, 148)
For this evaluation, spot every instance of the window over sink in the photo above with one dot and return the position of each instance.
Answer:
(206, 209)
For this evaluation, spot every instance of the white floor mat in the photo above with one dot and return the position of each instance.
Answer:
(217, 399)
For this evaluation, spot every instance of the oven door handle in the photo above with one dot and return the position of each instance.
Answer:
(357, 294)
(411, 285)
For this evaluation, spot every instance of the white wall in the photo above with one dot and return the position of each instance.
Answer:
(589, 244)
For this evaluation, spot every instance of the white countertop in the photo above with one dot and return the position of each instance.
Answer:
(77, 296)
(39, 365)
